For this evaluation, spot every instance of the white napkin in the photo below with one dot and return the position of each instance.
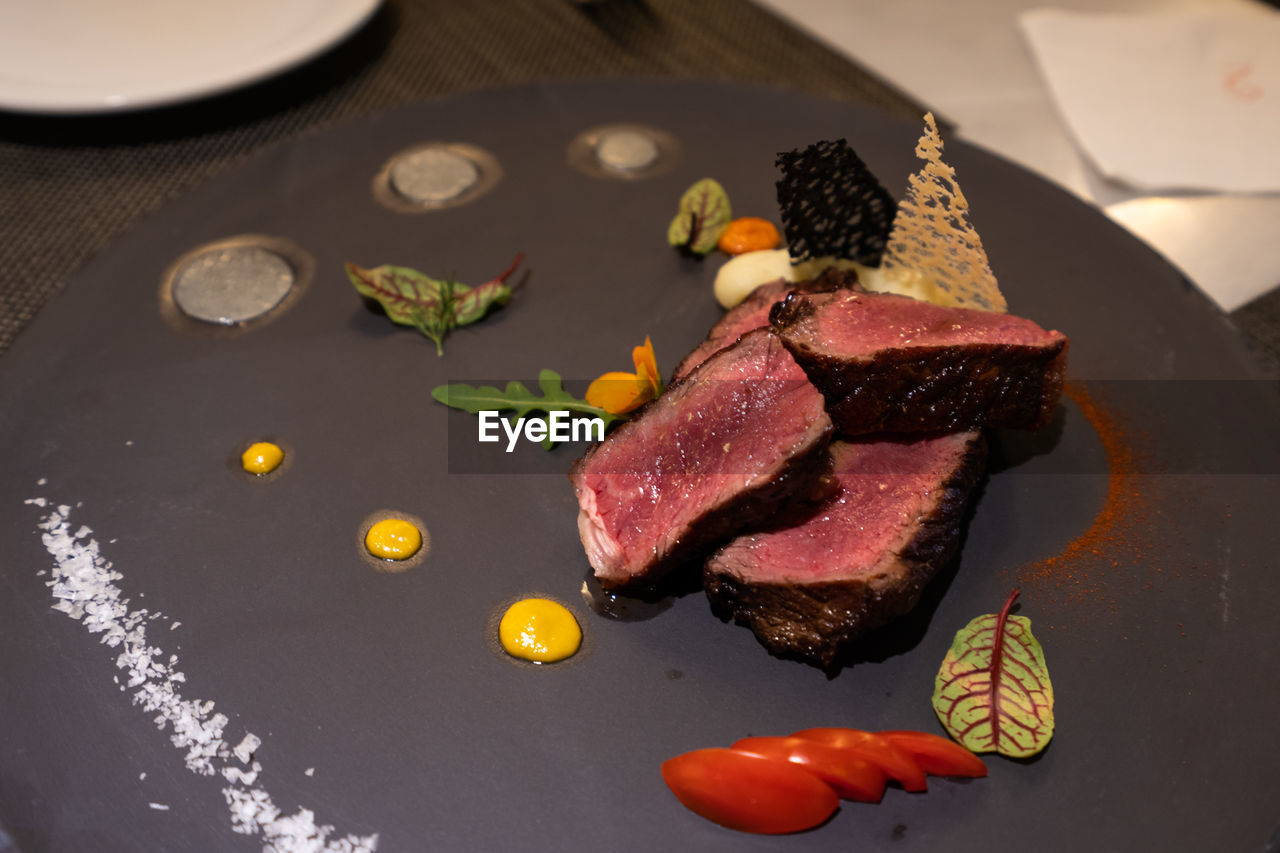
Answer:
(1173, 100)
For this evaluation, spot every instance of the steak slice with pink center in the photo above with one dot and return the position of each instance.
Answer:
(891, 364)
(861, 559)
(716, 455)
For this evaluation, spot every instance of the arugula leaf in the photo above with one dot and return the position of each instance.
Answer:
(993, 692)
(520, 400)
(704, 212)
(434, 306)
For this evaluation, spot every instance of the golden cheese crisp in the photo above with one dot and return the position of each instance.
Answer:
(932, 234)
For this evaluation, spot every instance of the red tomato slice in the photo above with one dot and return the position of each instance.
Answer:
(853, 778)
(936, 755)
(895, 762)
(749, 793)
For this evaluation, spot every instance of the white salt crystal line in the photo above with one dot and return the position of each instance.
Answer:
(141, 776)
(310, 771)
(42, 482)
(82, 586)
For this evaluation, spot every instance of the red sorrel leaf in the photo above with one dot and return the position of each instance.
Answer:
(436, 307)
(993, 692)
(704, 212)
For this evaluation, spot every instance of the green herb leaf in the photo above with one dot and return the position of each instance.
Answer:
(520, 400)
(993, 692)
(704, 213)
(434, 306)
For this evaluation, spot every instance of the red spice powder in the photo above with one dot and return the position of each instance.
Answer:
(1118, 532)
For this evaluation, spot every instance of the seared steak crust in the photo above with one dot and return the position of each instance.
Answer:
(818, 620)
(934, 380)
(753, 313)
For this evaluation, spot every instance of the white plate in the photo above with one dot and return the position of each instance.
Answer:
(93, 56)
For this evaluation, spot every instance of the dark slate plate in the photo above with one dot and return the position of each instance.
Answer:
(388, 685)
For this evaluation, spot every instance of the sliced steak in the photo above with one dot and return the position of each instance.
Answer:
(715, 455)
(860, 560)
(753, 313)
(892, 364)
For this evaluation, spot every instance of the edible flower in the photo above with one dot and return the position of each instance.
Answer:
(618, 393)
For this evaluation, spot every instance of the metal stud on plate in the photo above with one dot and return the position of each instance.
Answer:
(435, 175)
(624, 152)
(432, 175)
(627, 150)
(232, 285)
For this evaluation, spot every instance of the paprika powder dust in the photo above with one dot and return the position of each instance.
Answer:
(1117, 531)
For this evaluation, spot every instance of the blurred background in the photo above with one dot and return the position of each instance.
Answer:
(1155, 111)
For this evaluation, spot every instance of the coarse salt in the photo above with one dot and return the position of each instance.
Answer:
(82, 584)
(248, 746)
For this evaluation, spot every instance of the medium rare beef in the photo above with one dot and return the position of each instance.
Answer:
(807, 591)
(717, 454)
(891, 364)
(753, 313)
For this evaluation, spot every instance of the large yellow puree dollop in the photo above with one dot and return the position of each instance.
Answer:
(539, 630)
(262, 457)
(393, 539)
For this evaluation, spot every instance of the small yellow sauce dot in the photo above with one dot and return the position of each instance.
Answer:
(539, 630)
(393, 539)
(262, 457)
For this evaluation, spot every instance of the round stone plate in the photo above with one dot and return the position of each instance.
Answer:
(380, 702)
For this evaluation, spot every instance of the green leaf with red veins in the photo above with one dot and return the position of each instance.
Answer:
(434, 306)
(472, 303)
(405, 294)
(704, 213)
(993, 692)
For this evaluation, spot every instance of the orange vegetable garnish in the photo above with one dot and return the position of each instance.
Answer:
(748, 234)
(618, 393)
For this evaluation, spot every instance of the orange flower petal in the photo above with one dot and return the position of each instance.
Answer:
(647, 366)
(617, 393)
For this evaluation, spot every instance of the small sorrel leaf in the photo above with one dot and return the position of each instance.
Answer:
(519, 400)
(434, 306)
(704, 212)
(402, 292)
(993, 692)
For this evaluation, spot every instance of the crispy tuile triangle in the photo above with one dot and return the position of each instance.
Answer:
(932, 233)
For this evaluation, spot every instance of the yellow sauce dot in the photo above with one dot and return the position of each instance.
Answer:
(262, 457)
(539, 630)
(393, 539)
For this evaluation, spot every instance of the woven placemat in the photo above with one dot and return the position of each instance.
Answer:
(71, 184)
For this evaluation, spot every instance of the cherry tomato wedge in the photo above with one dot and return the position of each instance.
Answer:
(936, 755)
(749, 793)
(895, 762)
(851, 777)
